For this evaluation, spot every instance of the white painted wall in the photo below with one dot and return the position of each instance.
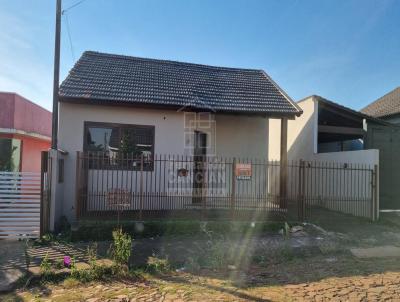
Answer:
(229, 135)
(363, 157)
(301, 134)
(242, 136)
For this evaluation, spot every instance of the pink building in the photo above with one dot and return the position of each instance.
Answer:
(25, 131)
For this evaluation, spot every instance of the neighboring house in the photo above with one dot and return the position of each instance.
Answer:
(25, 131)
(386, 108)
(113, 103)
(387, 140)
(329, 132)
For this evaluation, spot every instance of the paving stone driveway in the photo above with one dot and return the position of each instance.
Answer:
(12, 263)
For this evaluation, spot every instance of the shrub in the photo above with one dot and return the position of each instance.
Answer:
(121, 247)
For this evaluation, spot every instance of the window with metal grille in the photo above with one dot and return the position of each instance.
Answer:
(119, 145)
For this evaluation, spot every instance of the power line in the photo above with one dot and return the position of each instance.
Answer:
(73, 5)
(69, 36)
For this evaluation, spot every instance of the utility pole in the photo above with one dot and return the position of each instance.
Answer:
(54, 126)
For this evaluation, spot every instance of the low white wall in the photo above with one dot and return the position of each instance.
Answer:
(362, 157)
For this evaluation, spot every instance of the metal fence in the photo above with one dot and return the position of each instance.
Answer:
(19, 204)
(340, 187)
(185, 186)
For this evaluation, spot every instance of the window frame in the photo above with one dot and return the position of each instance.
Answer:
(120, 127)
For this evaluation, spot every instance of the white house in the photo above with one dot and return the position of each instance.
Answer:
(112, 104)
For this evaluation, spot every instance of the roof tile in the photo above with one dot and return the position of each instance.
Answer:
(387, 105)
(108, 77)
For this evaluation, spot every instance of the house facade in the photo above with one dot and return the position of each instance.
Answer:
(200, 116)
(25, 131)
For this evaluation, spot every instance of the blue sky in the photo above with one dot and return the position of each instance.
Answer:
(347, 51)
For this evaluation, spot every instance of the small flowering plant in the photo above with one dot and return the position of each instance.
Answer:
(67, 261)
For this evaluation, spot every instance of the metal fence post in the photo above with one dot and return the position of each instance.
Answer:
(141, 187)
(78, 204)
(374, 193)
(44, 196)
(233, 187)
(301, 205)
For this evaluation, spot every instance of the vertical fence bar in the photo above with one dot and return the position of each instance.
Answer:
(374, 193)
(233, 186)
(141, 188)
(78, 202)
(300, 197)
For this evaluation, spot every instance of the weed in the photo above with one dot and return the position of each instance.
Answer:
(59, 264)
(26, 253)
(45, 266)
(158, 265)
(121, 247)
(74, 269)
(286, 230)
(92, 255)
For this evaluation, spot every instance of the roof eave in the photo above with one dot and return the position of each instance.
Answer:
(288, 98)
(92, 101)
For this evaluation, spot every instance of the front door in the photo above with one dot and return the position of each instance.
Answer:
(199, 153)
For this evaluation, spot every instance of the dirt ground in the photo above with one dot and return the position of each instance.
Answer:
(315, 265)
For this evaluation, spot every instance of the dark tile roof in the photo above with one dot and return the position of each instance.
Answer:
(387, 105)
(123, 79)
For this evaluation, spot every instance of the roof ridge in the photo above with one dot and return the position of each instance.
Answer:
(104, 54)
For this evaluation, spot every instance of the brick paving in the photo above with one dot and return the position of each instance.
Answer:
(374, 287)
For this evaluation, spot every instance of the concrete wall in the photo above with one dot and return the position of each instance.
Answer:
(301, 134)
(228, 135)
(364, 157)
